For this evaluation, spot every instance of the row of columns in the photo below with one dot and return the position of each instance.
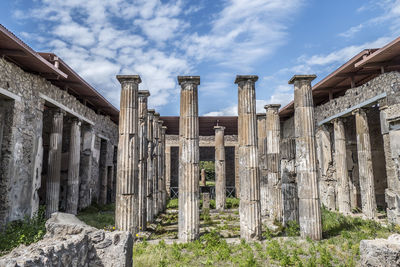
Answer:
(141, 191)
(250, 208)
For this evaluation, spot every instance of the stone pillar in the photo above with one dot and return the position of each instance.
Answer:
(366, 174)
(150, 169)
(160, 168)
(262, 151)
(237, 180)
(37, 154)
(126, 206)
(203, 177)
(156, 177)
(306, 162)
(290, 199)
(168, 169)
(54, 163)
(249, 209)
(85, 192)
(188, 229)
(73, 167)
(273, 136)
(206, 201)
(103, 171)
(163, 157)
(143, 149)
(343, 189)
(220, 172)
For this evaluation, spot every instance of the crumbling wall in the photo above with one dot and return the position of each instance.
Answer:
(22, 138)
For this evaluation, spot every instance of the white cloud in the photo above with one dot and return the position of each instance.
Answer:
(352, 31)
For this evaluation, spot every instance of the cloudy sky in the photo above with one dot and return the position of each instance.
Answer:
(215, 39)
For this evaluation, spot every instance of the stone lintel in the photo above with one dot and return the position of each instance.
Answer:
(241, 78)
(129, 78)
(302, 77)
(272, 106)
(143, 93)
(189, 79)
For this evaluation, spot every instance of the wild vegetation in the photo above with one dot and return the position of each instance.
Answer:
(26, 231)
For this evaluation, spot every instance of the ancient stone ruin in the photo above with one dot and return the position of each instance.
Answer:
(63, 145)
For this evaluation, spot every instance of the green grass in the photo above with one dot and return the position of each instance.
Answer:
(101, 217)
(25, 232)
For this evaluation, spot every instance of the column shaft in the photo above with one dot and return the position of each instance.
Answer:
(343, 189)
(366, 174)
(262, 164)
(306, 162)
(88, 139)
(168, 169)
(273, 133)
(143, 149)
(126, 208)
(54, 163)
(150, 169)
(73, 167)
(188, 226)
(250, 210)
(156, 175)
(220, 171)
(164, 171)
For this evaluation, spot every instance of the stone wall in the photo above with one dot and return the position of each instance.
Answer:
(20, 165)
(388, 83)
(70, 242)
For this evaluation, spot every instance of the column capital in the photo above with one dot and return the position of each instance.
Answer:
(189, 79)
(358, 111)
(160, 122)
(143, 93)
(152, 111)
(164, 129)
(129, 78)
(244, 78)
(309, 78)
(76, 120)
(219, 128)
(272, 106)
(338, 119)
(157, 115)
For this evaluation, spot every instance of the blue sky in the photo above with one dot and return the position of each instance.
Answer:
(159, 40)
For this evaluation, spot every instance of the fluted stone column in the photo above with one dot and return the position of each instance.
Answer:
(103, 172)
(126, 208)
(249, 209)
(366, 174)
(156, 176)
(343, 189)
(273, 133)
(54, 163)
(306, 161)
(73, 167)
(88, 140)
(160, 168)
(150, 170)
(164, 170)
(188, 220)
(143, 149)
(203, 177)
(262, 163)
(168, 169)
(220, 172)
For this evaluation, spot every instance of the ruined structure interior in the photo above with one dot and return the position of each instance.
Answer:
(334, 148)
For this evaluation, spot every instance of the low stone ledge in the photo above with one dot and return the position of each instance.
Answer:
(70, 242)
(380, 252)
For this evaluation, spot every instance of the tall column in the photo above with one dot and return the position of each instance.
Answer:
(262, 152)
(249, 209)
(126, 206)
(73, 167)
(103, 172)
(188, 222)
(343, 189)
(156, 136)
(168, 169)
(220, 172)
(164, 170)
(143, 149)
(306, 161)
(160, 168)
(150, 169)
(273, 133)
(366, 174)
(88, 139)
(237, 180)
(54, 163)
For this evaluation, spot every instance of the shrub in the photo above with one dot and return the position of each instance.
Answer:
(26, 231)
